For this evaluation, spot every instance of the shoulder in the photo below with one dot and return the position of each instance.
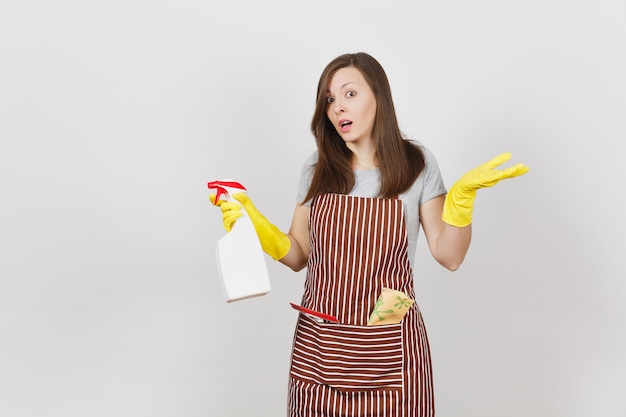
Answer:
(308, 166)
(429, 157)
(311, 159)
(306, 176)
(429, 183)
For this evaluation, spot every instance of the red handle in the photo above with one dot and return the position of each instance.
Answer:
(220, 186)
(314, 313)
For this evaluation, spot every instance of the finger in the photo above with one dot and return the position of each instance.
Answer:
(241, 197)
(498, 160)
(212, 198)
(515, 171)
(229, 206)
(230, 218)
(245, 202)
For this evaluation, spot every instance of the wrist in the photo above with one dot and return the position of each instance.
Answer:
(458, 207)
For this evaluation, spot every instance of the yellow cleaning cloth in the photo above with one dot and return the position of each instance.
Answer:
(390, 308)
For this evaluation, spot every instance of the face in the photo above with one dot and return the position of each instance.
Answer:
(351, 106)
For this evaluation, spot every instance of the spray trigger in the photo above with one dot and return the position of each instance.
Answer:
(227, 188)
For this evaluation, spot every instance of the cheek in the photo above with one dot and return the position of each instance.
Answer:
(330, 115)
(371, 113)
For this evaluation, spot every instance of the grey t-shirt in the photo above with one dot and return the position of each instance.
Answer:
(428, 185)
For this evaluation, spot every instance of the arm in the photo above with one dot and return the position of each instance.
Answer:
(291, 249)
(448, 244)
(447, 221)
(298, 254)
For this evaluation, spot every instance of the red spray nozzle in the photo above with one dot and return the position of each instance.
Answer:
(225, 187)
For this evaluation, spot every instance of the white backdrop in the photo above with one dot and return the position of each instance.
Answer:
(115, 114)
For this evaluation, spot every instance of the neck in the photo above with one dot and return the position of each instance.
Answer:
(363, 154)
(364, 161)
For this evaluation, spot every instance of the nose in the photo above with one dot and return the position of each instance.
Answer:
(338, 107)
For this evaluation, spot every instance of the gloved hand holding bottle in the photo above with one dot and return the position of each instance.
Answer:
(273, 241)
(459, 203)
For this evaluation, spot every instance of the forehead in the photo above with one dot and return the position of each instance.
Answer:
(346, 76)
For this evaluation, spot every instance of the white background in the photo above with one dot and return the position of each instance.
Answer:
(115, 114)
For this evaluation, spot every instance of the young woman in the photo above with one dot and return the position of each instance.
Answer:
(363, 196)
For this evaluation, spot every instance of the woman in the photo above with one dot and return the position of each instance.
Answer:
(363, 195)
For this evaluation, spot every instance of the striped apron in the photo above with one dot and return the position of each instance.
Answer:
(358, 247)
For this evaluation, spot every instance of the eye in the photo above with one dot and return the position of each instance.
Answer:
(329, 100)
(351, 93)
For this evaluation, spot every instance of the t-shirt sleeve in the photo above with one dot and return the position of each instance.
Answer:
(306, 175)
(433, 181)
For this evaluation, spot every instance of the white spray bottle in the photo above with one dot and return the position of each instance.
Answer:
(240, 258)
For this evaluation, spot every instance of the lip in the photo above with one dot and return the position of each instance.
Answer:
(340, 125)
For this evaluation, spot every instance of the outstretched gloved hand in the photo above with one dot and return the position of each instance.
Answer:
(459, 203)
(273, 241)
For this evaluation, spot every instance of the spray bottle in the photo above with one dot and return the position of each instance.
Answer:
(240, 258)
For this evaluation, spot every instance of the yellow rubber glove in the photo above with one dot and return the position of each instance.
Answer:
(231, 211)
(459, 203)
(274, 242)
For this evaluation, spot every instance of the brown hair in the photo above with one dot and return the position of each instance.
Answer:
(399, 160)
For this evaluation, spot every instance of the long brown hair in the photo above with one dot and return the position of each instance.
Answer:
(399, 160)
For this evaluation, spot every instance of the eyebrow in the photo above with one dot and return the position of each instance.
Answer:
(343, 85)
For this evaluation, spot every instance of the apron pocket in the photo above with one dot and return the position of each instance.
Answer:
(348, 357)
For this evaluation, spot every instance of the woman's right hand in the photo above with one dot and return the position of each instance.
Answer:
(273, 241)
(291, 249)
(231, 211)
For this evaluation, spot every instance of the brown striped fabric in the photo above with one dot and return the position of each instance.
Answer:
(358, 246)
(349, 358)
